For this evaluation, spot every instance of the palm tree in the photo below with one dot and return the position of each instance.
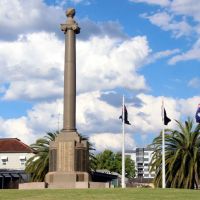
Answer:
(38, 165)
(92, 158)
(182, 156)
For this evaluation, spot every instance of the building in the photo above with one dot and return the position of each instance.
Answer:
(105, 176)
(142, 158)
(13, 156)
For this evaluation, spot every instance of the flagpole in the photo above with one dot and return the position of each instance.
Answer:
(163, 148)
(123, 145)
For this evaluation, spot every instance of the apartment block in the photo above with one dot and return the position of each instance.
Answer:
(142, 158)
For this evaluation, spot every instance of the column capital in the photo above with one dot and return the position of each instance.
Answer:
(70, 23)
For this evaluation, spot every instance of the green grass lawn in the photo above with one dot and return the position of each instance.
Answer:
(101, 194)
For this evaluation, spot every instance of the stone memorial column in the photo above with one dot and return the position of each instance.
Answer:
(68, 159)
(70, 29)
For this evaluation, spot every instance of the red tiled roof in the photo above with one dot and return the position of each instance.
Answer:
(13, 145)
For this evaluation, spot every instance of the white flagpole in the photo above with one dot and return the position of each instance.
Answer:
(123, 146)
(163, 148)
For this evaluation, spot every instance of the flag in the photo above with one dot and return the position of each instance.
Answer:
(125, 116)
(166, 119)
(197, 116)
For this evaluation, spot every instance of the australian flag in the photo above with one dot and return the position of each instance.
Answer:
(166, 119)
(197, 116)
(125, 116)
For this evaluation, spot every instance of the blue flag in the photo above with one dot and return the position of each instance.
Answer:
(197, 116)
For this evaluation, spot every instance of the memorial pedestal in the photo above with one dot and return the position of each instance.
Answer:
(68, 161)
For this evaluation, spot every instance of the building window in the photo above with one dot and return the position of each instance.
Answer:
(22, 160)
(4, 160)
(139, 159)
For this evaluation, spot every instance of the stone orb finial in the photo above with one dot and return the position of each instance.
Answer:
(70, 12)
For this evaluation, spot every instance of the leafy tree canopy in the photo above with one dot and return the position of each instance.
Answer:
(113, 162)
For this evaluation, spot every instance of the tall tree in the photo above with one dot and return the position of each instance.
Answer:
(113, 162)
(182, 156)
(38, 165)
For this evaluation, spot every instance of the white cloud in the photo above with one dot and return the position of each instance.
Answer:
(105, 63)
(188, 107)
(19, 17)
(99, 120)
(65, 2)
(85, 2)
(194, 83)
(192, 54)
(103, 141)
(173, 9)
(43, 117)
(36, 89)
(17, 128)
(89, 28)
(166, 22)
(153, 2)
(36, 60)
(46, 116)
(186, 7)
(32, 66)
(147, 118)
(161, 19)
(93, 113)
(161, 54)
(182, 18)
(22, 16)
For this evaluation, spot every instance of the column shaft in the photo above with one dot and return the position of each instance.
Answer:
(69, 117)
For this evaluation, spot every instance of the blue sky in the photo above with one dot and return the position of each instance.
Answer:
(148, 50)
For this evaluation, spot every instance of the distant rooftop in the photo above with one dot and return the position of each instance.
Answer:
(13, 145)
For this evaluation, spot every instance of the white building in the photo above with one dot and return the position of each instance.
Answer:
(142, 158)
(13, 156)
